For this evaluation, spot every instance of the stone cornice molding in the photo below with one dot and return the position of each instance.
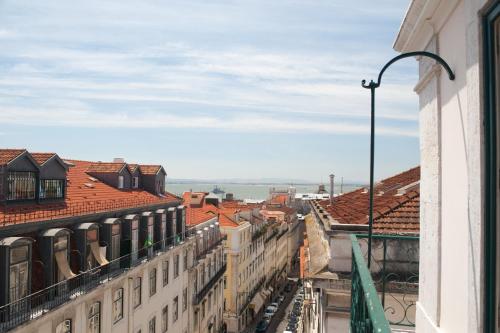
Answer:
(435, 71)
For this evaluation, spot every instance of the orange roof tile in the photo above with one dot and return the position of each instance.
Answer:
(105, 167)
(7, 155)
(41, 158)
(132, 167)
(388, 204)
(149, 169)
(84, 195)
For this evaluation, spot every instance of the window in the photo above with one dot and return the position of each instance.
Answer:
(21, 185)
(137, 291)
(64, 326)
(95, 318)
(176, 266)
(176, 308)
(165, 272)
(185, 259)
(120, 181)
(203, 304)
(117, 305)
(209, 307)
(152, 282)
(184, 299)
(51, 188)
(19, 272)
(164, 319)
(135, 182)
(152, 325)
(115, 241)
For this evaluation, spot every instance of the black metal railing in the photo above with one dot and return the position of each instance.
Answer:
(38, 303)
(204, 291)
(250, 295)
(211, 247)
(272, 235)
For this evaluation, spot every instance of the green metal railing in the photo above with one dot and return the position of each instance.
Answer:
(367, 313)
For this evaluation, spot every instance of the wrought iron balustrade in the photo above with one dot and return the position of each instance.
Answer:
(211, 247)
(367, 313)
(198, 297)
(40, 302)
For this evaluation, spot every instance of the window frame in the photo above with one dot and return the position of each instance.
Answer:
(165, 272)
(153, 281)
(137, 292)
(164, 319)
(91, 316)
(118, 300)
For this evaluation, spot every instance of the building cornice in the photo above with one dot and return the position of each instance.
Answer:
(423, 19)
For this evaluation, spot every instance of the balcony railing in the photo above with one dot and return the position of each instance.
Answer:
(203, 292)
(393, 275)
(38, 303)
(251, 295)
(367, 313)
(211, 247)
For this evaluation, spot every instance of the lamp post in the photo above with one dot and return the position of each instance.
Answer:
(372, 86)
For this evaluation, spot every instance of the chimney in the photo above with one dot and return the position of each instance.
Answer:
(118, 160)
(332, 177)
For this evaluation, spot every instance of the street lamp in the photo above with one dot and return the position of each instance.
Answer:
(372, 86)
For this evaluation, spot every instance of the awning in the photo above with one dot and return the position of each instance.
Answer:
(257, 302)
(62, 263)
(271, 289)
(266, 292)
(96, 252)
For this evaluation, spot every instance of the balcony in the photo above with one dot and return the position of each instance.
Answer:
(204, 252)
(40, 302)
(384, 296)
(251, 294)
(203, 292)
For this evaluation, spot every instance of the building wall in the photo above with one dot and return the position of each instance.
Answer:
(133, 319)
(451, 249)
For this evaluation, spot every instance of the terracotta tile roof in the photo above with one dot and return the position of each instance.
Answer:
(396, 198)
(105, 167)
(84, 195)
(132, 167)
(41, 158)
(7, 155)
(198, 211)
(149, 169)
(281, 199)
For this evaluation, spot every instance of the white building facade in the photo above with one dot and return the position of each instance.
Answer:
(459, 285)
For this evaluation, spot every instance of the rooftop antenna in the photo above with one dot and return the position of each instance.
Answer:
(332, 178)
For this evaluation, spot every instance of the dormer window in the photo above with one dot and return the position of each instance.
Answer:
(135, 182)
(51, 188)
(120, 181)
(21, 185)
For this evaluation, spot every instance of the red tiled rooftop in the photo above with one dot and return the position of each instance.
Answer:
(41, 158)
(398, 212)
(105, 167)
(7, 155)
(84, 195)
(149, 169)
(132, 167)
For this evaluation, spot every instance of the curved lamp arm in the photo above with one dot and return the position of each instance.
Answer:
(372, 86)
(440, 60)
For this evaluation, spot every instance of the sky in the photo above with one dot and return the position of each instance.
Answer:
(209, 89)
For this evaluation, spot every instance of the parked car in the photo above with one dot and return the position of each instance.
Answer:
(276, 305)
(280, 299)
(262, 326)
(268, 315)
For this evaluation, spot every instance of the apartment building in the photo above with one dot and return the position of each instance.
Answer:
(329, 264)
(90, 247)
(206, 275)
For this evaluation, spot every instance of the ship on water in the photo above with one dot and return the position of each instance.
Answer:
(217, 190)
